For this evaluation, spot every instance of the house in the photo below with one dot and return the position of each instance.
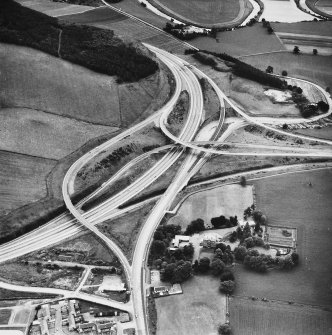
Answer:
(160, 291)
(179, 241)
(86, 327)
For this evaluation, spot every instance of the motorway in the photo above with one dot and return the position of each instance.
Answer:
(76, 221)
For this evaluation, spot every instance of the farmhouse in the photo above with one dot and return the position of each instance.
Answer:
(179, 241)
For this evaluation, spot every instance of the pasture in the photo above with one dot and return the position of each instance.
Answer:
(23, 179)
(199, 310)
(5, 316)
(317, 69)
(249, 317)
(289, 200)
(236, 42)
(228, 200)
(45, 135)
(211, 13)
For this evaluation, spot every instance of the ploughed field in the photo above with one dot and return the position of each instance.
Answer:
(257, 317)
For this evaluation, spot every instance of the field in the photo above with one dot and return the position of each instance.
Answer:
(22, 316)
(200, 309)
(53, 8)
(5, 316)
(86, 244)
(236, 43)
(228, 200)
(45, 135)
(306, 28)
(249, 317)
(306, 35)
(208, 14)
(35, 80)
(23, 179)
(9, 295)
(283, 11)
(128, 28)
(288, 200)
(325, 132)
(317, 69)
(32, 275)
(322, 7)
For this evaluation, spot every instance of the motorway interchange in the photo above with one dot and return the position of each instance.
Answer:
(194, 144)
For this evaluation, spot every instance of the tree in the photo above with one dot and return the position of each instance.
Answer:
(284, 73)
(270, 30)
(295, 258)
(323, 106)
(195, 227)
(188, 251)
(240, 253)
(158, 248)
(224, 329)
(217, 266)
(204, 265)
(315, 52)
(269, 69)
(168, 273)
(218, 253)
(299, 90)
(296, 50)
(227, 275)
(227, 286)
(182, 272)
(243, 181)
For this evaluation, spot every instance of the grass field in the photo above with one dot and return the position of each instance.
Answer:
(249, 317)
(5, 316)
(199, 310)
(45, 135)
(226, 200)
(23, 179)
(236, 42)
(317, 69)
(289, 200)
(206, 13)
